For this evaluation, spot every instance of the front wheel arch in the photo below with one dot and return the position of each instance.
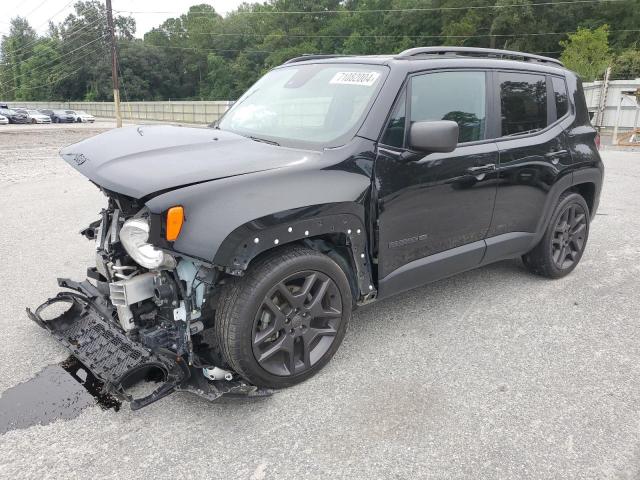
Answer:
(333, 246)
(342, 233)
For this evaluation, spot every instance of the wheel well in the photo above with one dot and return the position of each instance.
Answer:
(587, 191)
(335, 246)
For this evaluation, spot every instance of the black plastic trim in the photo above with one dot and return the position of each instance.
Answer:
(432, 268)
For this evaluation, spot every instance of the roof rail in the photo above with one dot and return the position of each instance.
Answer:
(314, 56)
(481, 52)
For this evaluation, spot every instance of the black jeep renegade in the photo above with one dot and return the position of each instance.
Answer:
(229, 260)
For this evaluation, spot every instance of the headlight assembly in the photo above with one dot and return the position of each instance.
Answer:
(134, 236)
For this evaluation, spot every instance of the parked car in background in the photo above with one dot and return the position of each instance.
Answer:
(35, 116)
(81, 116)
(14, 116)
(3, 120)
(59, 116)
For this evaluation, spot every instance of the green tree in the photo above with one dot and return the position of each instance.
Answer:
(40, 72)
(15, 49)
(200, 54)
(626, 65)
(587, 52)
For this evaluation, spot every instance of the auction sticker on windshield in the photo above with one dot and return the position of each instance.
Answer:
(355, 78)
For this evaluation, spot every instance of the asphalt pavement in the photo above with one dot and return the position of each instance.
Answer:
(494, 373)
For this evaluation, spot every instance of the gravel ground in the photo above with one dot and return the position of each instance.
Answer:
(490, 374)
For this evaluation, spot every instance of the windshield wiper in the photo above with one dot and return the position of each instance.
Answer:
(270, 142)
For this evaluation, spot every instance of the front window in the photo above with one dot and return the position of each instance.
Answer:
(457, 96)
(315, 105)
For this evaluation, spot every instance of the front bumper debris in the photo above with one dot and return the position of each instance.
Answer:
(87, 330)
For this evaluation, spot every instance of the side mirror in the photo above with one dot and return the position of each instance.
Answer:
(436, 136)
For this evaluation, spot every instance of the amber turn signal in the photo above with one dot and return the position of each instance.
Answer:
(175, 217)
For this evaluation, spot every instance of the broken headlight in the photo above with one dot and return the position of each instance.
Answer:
(134, 236)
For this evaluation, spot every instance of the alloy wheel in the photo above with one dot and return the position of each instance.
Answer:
(569, 236)
(296, 323)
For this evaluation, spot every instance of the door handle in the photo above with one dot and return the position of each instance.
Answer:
(489, 167)
(557, 153)
(555, 156)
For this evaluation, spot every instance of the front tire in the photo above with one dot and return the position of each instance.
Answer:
(283, 321)
(564, 241)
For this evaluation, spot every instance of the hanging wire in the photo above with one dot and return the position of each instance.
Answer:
(373, 10)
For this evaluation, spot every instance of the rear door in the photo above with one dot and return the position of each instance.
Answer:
(532, 145)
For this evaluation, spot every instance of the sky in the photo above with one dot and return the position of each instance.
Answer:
(38, 12)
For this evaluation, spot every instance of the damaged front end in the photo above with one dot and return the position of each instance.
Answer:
(142, 312)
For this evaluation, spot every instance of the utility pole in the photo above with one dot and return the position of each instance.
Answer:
(114, 65)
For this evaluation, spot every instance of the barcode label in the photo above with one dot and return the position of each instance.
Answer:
(355, 78)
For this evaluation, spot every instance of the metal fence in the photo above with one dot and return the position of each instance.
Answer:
(203, 112)
(628, 108)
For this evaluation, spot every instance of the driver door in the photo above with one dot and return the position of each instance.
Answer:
(434, 210)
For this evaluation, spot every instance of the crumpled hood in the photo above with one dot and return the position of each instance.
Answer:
(140, 161)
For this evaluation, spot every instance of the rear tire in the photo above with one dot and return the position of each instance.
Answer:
(281, 322)
(564, 241)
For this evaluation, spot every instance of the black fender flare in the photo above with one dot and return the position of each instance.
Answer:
(346, 219)
(592, 175)
(577, 177)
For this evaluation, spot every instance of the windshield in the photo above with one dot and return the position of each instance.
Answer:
(34, 112)
(69, 111)
(7, 111)
(318, 104)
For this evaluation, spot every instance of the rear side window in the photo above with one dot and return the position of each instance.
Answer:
(523, 102)
(457, 96)
(561, 97)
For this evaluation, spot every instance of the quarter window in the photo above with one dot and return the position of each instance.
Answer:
(523, 103)
(394, 132)
(561, 97)
(457, 96)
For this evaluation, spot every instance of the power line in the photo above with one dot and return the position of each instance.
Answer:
(84, 27)
(376, 10)
(207, 49)
(57, 60)
(36, 8)
(384, 36)
(55, 14)
(55, 70)
(71, 51)
(45, 84)
(37, 39)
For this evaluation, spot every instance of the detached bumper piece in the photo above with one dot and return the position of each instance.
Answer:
(87, 330)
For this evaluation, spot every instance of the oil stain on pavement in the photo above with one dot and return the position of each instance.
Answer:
(57, 392)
